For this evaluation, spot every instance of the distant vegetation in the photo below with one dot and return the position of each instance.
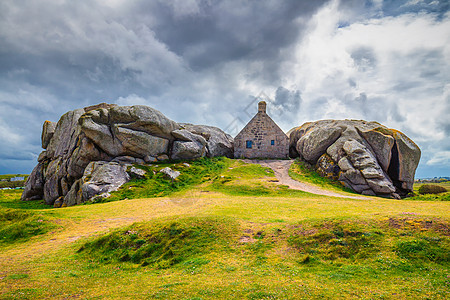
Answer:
(5, 181)
(427, 192)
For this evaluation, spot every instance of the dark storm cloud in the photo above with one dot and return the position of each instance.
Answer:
(286, 104)
(179, 56)
(226, 31)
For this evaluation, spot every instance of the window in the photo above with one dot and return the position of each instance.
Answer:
(249, 144)
(272, 142)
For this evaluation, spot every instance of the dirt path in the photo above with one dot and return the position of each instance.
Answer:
(281, 170)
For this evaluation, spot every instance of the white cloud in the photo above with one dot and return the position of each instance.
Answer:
(439, 159)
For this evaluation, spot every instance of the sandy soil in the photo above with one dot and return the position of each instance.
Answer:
(281, 170)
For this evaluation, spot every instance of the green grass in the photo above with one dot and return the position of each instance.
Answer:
(156, 184)
(230, 233)
(19, 225)
(243, 179)
(444, 184)
(302, 171)
(11, 199)
(431, 197)
(163, 244)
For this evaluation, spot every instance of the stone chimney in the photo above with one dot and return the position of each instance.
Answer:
(262, 107)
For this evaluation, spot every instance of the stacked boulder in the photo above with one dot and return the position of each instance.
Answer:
(367, 157)
(89, 151)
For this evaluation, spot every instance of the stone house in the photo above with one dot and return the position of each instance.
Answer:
(261, 138)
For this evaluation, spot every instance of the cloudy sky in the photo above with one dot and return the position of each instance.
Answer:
(206, 62)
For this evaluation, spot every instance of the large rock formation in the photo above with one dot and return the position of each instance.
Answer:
(365, 156)
(88, 150)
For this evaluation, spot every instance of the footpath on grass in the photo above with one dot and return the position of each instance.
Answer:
(281, 170)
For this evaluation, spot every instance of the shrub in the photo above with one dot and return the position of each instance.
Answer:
(431, 189)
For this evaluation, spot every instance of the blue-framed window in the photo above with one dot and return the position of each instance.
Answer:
(272, 142)
(248, 144)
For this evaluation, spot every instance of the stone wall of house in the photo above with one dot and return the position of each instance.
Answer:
(261, 131)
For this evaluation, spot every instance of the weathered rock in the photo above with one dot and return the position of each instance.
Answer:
(85, 152)
(74, 196)
(103, 177)
(218, 142)
(48, 129)
(66, 135)
(34, 186)
(316, 141)
(381, 145)
(145, 119)
(408, 158)
(188, 145)
(172, 174)
(129, 130)
(372, 159)
(136, 173)
(42, 156)
(140, 144)
(187, 150)
(162, 157)
(149, 159)
(52, 187)
(326, 167)
(58, 202)
(121, 135)
(128, 160)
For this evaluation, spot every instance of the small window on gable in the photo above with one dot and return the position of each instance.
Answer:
(272, 142)
(249, 144)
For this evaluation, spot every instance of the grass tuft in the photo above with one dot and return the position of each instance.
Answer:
(163, 244)
(19, 225)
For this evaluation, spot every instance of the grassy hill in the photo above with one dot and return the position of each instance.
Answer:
(225, 230)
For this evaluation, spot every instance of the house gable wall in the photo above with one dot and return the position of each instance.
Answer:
(261, 130)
